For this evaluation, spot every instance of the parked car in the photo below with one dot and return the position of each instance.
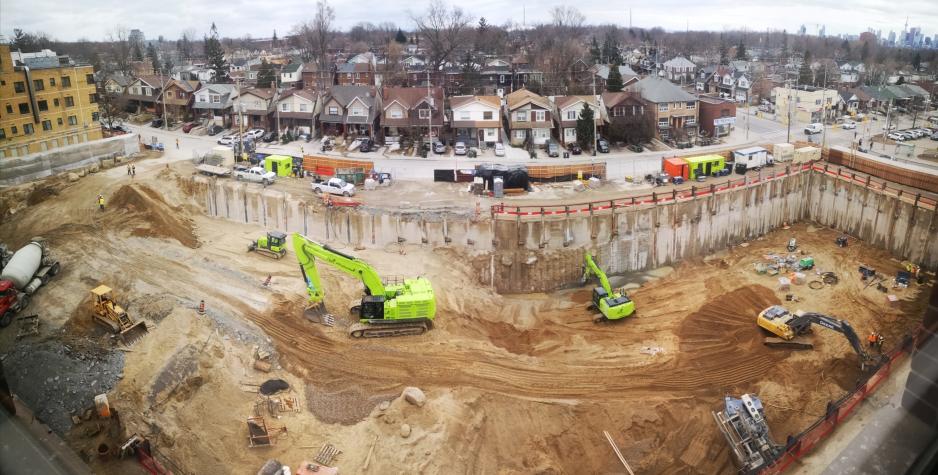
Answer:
(637, 148)
(254, 133)
(188, 126)
(849, 125)
(121, 129)
(934, 136)
(574, 148)
(459, 148)
(157, 122)
(254, 174)
(269, 136)
(228, 139)
(602, 146)
(896, 136)
(814, 128)
(367, 145)
(439, 147)
(499, 149)
(214, 129)
(553, 150)
(333, 186)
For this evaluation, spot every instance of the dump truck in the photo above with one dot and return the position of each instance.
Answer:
(24, 272)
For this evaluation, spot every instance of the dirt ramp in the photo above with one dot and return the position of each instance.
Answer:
(147, 214)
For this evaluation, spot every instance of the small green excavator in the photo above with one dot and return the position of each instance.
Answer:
(388, 308)
(611, 305)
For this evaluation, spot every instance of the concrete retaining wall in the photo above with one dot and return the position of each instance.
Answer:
(18, 170)
(541, 254)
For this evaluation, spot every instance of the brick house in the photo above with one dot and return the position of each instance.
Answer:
(412, 110)
(529, 117)
(350, 111)
(717, 116)
(355, 74)
(674, 109)
(178, 97)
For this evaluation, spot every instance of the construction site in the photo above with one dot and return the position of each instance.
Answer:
(503, 356)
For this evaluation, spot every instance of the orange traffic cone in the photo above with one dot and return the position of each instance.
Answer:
(201, 307)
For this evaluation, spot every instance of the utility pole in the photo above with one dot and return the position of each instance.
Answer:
(276, 95)
(240, 120)
(824, 111)
(163, 93)
(788, 86)
(430, 115)
(595, 139)
(886, 127)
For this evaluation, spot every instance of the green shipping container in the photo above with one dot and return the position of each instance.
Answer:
(282, 165)
(704, 165)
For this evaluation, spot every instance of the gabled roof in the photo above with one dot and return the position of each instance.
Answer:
(523, 96)
(658, 90)
(186, 86)
(914, 90)
(299, 93)
(602, 71)
(563, 102)
(120, 79)
(152, 81)
(679, 62)
(612, 99)
(291, 68)
(456, 102)
(345, 94)
(411, 97)
(354, 68)
(261, 92)
(898, 92)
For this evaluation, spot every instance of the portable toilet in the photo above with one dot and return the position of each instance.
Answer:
(704, 165)
(676, 166)
(282, 165)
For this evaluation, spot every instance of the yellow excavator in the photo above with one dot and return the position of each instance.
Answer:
(111, 315)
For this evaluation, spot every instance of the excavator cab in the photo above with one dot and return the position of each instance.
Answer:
(273, 245)
(612, 307)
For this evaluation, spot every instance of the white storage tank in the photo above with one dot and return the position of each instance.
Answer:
(23, 265)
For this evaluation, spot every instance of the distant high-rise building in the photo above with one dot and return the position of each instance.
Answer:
(892, 38)
(802, 30)
(136, 36)
(822, 31)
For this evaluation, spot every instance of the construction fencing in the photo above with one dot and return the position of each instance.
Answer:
(900, 175)
(504, 211)
(800, 445)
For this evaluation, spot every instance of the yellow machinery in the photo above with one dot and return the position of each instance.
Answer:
(108, 313)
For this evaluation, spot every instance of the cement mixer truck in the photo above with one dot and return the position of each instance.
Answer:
(21, 275)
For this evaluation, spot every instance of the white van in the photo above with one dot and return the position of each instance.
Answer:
(814, 128)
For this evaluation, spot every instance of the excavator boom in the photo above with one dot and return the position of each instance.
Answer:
(590, 269)
(611, 305)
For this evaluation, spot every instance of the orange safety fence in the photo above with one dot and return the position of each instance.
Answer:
(326, 166)
(800, 445)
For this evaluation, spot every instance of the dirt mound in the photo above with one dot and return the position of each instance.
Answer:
(40, 194)
(145, 210)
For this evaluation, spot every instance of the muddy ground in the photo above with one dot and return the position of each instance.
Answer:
(514, 384)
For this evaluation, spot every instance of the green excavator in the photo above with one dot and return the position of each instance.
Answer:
(273, 245)
(397, 307)
(611, 305)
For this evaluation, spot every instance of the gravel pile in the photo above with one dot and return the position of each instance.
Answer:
(58, 380)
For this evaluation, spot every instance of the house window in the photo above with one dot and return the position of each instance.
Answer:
(89, 78)
(501, 78)
(38, 84)
(817, 102)
(540, 116)
(618, 111)
(571, 115)
(47, 125)
(358, 76)
(72, 120)
(464, 115)
(662, 107)
(59, 121)
(663, 122)
(3, 134)
(302, 107)
(69, 101)
(487, 115)
(9, 108)
(147, 91)
(357, 111)
(691, 105)
(181, 95)
(13, 130)
(43, 105)
(95, 116)
(569, 134)
(92, 98)
(66, 81)
(521, 116)
(423, 113)
(55, 102)
(19, 86)
(216, 99)
(52, 82)
(519, 134)
(24, 108)
(28, 129)
(285, 107)
(333, 110)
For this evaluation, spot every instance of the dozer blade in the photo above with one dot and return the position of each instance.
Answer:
(133, 333)
(318, 314)
(792, 345)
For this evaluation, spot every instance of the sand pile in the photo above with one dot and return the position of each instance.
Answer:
(144, 210)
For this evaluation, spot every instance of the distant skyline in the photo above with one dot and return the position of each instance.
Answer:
(93, 19)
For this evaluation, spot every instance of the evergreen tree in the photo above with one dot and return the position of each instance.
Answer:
(610, 51)
(215, 55)
(595, 53)
(917, 61)
(584, 127)
(845, 46)
(154, 58)
(614, 81)
(400, 38)
(741, 51)
(865, 52)
(724, 54)
(900, 81)
(273, 40)
(266, 77)
(136, 54)
(784, 43)
(805, 75)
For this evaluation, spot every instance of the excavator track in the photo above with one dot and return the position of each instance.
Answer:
(790, 344)
(386, 329)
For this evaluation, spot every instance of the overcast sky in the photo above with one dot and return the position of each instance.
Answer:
(92, 19)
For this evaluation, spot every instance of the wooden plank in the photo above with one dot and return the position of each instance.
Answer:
(618, 453)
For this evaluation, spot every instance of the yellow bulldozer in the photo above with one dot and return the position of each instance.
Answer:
(108, 313)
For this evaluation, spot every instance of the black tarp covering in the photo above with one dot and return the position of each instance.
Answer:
(514, 176)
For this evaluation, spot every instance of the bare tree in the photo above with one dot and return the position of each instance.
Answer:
(566, 17)
(442, 29)
(322, 30)
(120, 48)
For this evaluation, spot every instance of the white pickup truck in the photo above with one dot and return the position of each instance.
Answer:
(334, 186)
(254, 174)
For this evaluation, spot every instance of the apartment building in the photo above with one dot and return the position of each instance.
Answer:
(46, 101)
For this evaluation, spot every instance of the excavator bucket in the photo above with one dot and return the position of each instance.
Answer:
(131, 334)
(317, 314)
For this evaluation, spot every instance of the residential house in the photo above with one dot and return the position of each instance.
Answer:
(316, 78)
(143, 94)
(529, 116)
(523, 75)
(806, 103)
(717, 116)
(213, 102)
(496, 80)
(850, 101)
(567, 110)
(412, 111)
(296, 112)
(116, 84)
(237, 65)
(476, 119)
(178, 97)
(602, 75)
(254, 107)
(731, 84)
(364, 58)
(740, 65)
(630, 117)
(291, 74)
(413, 62)
(850, 73)
(680, 70)
(355, 74)
(674, 109)
(350, 111)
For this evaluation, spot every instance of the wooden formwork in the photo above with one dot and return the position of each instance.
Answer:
(326, 166)
(895, 174)
(565, 172)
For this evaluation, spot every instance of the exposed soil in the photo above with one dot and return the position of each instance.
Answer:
(514, 384)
